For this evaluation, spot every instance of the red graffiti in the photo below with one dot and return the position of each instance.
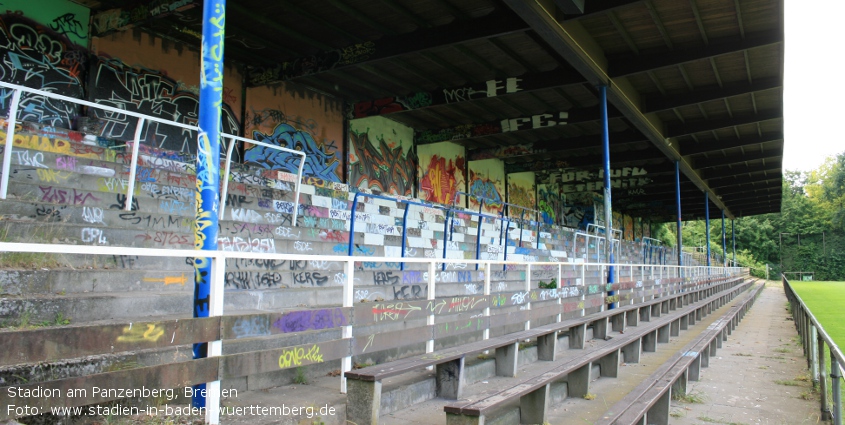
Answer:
(439, 183)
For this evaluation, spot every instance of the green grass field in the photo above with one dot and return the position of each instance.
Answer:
(825, 300)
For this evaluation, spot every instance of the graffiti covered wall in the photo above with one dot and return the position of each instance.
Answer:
(579, 210)
(550, 203)
(487, 180)
(37, 56)
(146, 74)
(638, 229)
(295, 118)
(381, 156)
(442, 172)
(628, 231)
(521, 192)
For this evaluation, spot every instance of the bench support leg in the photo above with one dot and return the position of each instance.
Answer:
(655, 310)
(363, 404)
(694, 371)
(618, 323)
(683, 322)
(645, 314)
(650, 342)
(578, 382)
(578, 336)
(706, 353)
(609, 365)
(450, 379)
(632, 352)
(664, 307)
(663, 334)
(454, 419)
(675, 328)
(659, 412)
(632, 317)
(506, 360)
(547, 347)
(680, 384)
(533, 406)
(600, 328)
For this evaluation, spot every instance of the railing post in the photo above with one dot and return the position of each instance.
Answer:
(537, 216)
(348, 283)
(215, 348)
(814, 358)
(224, 192)
(528, 289)
(446, 226)
(133, 166)
(835, 378)
(521, 226)
(350, 251)
(11, 123)
(822, 379)
(559, 285)
(430, 295)
(404, 233)
(583, 286)
(478, 239)
(487, 294)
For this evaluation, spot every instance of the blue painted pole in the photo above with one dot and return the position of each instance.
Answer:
(678, 204)
(608, 215)
(733, 240)
(208, 165)
(707, 224)
(724, 244)
(404, 233)
(350, 251)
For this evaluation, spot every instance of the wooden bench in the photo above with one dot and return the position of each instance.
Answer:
(533, 393)
(364, 386)
(650, 401)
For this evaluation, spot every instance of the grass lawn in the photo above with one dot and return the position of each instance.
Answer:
(825, 300)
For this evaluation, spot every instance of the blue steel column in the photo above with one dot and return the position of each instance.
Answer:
(733, 241)
(724, 245)
(208, 163)
(707, 224)
(608, 215)
(678, 203)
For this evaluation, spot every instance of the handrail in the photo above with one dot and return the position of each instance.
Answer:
(480, 216)
(600, 227)
(225, 191)
(354, 207)
(808, 325)
(522, 219)
(142, 119)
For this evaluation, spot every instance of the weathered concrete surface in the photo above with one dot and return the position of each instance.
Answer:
(740, 384)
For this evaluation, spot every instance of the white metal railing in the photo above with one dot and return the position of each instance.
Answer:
(142, 119)
(617, 233)
(218, 267)
(600, 243)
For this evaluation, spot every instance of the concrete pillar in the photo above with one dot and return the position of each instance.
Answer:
(645, 313)
(650, 342)
(683, 322)
(450, 379)
(578, 382)
(655, 310)
(600, 328)
(609, 365)
(547, 347)
(533, 406)
(694, 370)
(714, 345)
(506, 360)
(618, 322)
(675, 328)
(632, 317)
(658, 414)
(631, 352)
(680, 385)
(455, 419)
(578, 336)
(363, 401)
(663, 334)
(664, 307)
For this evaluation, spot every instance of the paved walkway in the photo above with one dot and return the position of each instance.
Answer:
(759, 376)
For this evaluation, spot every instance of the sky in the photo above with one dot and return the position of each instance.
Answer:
(814, 95)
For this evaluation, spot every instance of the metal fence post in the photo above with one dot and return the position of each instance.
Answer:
(836, 377)
(11, 122)
(348, 283)
(822, 379)
(487, 294)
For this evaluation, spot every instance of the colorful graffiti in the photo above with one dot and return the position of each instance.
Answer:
(36, 56)
(549, 203)
(152, 93)
(382, 158)
(442, 172)
(638, 229)
(628, 231)
(646, 229)
(390, 105)
(521, 192)
(319, 161)
(486, 180)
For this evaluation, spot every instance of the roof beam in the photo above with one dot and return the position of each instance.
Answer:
(683, 129)
(510, 125)
(661, 103)
(750, 190)
(493, 25)
(644, 155)
(557, 145)
(744, 179)
(735, 170)
(592, 7)
(572, 42)
(722, 144)
(623, 65)
(718, 161)
(113, 20)
(496, 87)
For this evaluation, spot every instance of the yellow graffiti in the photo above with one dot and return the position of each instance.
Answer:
(45, 144)
(47, 175)
(295, 356)
(169, 280)
(139, 334)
